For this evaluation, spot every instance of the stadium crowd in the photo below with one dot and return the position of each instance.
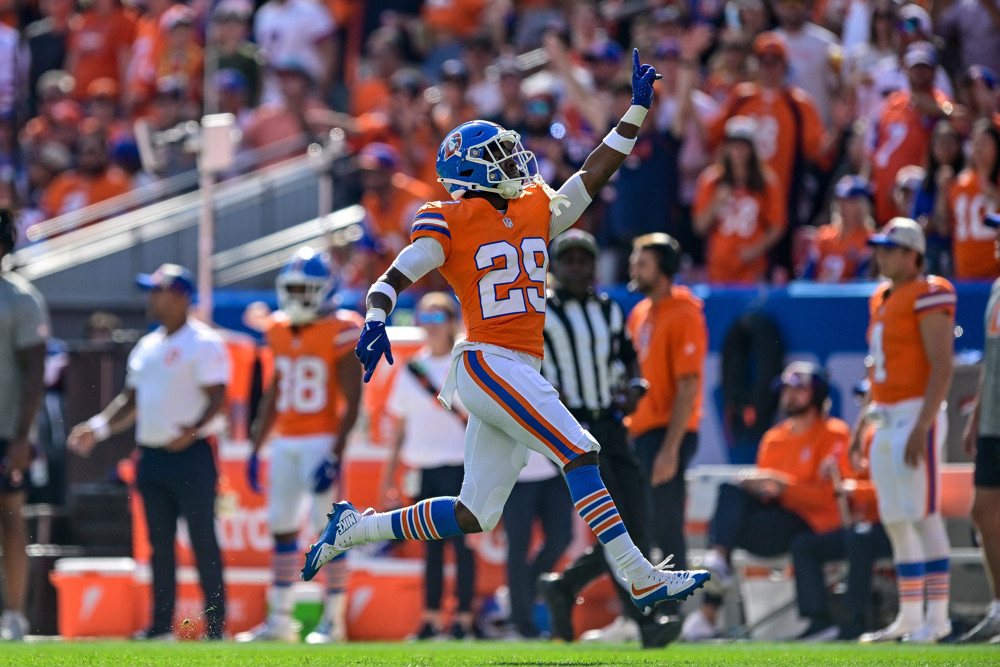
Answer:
(847, 112)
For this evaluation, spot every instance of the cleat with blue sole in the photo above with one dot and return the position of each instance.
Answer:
(338, 537)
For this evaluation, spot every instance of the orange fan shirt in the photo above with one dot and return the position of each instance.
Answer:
(455, 17)
(798, 456)
(671, 340)
(305, 363)
(95, 44)
(743, 222)
(971, 240)
(899, 366)
(71, 190)
(777, 124)
(841, 254)
(496, 263)
(902, 137)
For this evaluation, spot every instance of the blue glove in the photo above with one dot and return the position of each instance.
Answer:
(253, 473)
(326, 474)
(642, 81)
(374, 342)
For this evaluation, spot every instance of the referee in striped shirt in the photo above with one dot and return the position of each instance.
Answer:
(589, 358)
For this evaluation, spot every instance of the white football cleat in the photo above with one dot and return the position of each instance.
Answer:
(619, 631)
(894, 633)
(697, 628)
(273, 629)
(343, 531)
(326, 633)
(662, 584)
(929, 634)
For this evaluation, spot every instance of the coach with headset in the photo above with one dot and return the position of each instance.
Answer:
(174, 389)
(671, 339)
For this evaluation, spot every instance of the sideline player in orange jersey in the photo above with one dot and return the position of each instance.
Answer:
(309, 407)
(910, 362)
(490, 243)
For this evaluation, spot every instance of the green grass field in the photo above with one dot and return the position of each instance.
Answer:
(488, 653)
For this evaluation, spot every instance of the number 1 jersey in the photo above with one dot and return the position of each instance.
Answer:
(496, 263)
(308, 400)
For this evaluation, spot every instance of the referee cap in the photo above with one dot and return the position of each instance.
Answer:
(168, 277)
(574, 238)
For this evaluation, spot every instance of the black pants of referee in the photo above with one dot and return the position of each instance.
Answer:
(174, 485)
(666, 501)
(623, 478)
(547, 501)
(435, 483)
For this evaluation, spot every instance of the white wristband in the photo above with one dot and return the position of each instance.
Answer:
(635, 115)
(99, 427)
(380, 287)
(617, 142)
(375, 314)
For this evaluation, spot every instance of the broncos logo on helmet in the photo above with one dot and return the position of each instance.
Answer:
(483, 156)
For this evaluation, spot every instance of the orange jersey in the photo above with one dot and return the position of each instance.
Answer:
(798, 456)
(71, 191)
(96, 45)
(305, 362)
(777, 124)
(496, 263)
(671, 340)
(742, 223)
(899, 366)
(840, 254)
(452, 17)
(972, 241)
(902, 137)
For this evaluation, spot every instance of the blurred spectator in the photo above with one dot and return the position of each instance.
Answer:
(295, 30)
(384, 57)
(754, 16)
(788, 495)
(293, 116)
(140, 77)
(738, 206)
(930, 208)
(100, 43)
(972, 27)
(181, 57)
(125, 156)
(445, 24)
(47, 39)
(101, 327)
(891, 74)
(91, 182)
(511, 112)
(984, 93)
(53, 86)
(789, 131)
(729, 66)
(903, 132)
(102, 106)
(840, 250)
(15, 61)
(861, 59)
(229, 48)
(975, 194)
(587, 93)
(44, 162)
(390, 199)
(813, 54)
(452, 108)
(234, 96)
(532, 20)
(484, 89)
(904, 191)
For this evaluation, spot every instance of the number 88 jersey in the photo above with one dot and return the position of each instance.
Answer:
(308, 400)
(496, 263)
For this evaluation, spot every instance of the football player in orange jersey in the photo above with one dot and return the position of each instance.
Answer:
(910, 345)
(309, 407)
(490, 243)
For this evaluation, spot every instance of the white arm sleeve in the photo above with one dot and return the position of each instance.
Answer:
(419, 258)
(576, 193)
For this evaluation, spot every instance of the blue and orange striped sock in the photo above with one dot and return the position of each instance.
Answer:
(938, 583)
(287, 562)
(910, 581)
(432, 519)
(594, 504)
